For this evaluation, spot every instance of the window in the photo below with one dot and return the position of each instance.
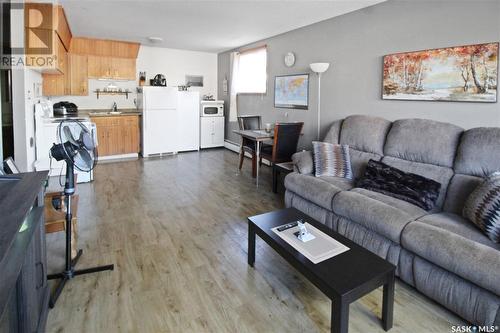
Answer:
(252, 72)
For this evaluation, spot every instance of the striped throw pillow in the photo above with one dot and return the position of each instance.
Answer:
(483, 207)
(331, 160)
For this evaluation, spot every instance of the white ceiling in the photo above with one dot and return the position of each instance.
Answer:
(203, 25)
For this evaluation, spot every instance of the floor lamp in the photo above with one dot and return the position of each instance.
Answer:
(318, 68)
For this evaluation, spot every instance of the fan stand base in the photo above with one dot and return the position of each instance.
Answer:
(70, 274)
(69, 271)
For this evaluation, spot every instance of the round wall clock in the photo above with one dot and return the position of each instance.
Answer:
(289, 59)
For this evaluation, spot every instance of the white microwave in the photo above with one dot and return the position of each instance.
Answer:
(212, 108)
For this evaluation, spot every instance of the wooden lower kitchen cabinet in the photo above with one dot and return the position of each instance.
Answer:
(117, 135)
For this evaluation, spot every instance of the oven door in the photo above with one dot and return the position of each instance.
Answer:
(211, 110)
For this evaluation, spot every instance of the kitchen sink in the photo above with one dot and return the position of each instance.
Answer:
(104, 113)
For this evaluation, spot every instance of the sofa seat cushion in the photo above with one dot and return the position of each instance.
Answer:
(387, 216)
(451, 242)
(457, 224)
(318, 190)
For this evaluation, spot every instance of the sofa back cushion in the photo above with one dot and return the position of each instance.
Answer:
(365, 133)
(333, 134)
(359, 161)
(478, 155)
(423, 141)
(479, 152)
(365, 136)
(424, 147)
(459, 189)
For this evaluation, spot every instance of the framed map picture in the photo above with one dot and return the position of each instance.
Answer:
(291, 91)
(466, 73)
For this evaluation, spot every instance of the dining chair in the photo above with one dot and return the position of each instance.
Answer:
(286, 139)
(250, 122)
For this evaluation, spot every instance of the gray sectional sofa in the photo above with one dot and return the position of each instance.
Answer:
(439, 253)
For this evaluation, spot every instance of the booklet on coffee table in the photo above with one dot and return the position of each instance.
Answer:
(322, 247)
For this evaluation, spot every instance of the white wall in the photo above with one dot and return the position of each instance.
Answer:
(172, 63)
(175, 64)
(23, 100)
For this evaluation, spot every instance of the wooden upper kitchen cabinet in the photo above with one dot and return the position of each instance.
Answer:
(117, 135)
(100, 67)
(52, 62)
(107, 59)
(123, 68)
(46, 40)
(62, 27)
(78, 75)
(56, 84)
(74, 81)
(95, 66)
(104, 47)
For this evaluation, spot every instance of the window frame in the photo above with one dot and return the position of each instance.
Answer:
(253, 49)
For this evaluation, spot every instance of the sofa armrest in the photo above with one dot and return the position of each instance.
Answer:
(303, 162)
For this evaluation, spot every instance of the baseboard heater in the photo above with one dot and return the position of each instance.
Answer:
(235, 147)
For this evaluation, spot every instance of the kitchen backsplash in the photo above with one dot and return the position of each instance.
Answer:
(104, 101)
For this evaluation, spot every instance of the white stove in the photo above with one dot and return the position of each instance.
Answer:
(46, 127)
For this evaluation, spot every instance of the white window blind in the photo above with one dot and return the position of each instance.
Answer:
(252, 71)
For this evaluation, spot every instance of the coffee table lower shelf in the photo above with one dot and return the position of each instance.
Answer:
(381, 275)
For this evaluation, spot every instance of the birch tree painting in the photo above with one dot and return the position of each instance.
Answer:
(463, 73)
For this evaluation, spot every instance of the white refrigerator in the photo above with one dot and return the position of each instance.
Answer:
(169, 120)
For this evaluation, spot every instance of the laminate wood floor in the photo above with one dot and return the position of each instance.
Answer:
(176, 230)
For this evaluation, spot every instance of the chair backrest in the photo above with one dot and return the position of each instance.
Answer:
(249, 122)
(286, 139)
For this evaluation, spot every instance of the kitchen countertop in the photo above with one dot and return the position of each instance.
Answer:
(106, 113)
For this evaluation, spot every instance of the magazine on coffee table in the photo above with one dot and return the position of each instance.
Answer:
(321, 248)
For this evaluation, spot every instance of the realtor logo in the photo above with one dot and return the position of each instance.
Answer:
(39, 26)
(31, 43)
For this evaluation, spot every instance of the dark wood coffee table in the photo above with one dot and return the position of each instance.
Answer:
(343, 278)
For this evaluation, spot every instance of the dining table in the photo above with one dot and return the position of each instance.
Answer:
(258, 136)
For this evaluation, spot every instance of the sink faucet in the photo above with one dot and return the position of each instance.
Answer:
(114, 107)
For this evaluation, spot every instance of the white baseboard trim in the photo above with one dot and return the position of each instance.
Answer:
(114, 158)
(232, 146)
(236, 148)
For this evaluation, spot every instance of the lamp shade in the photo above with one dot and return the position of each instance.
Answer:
(319, 67)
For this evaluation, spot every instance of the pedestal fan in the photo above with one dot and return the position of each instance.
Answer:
(78, 150)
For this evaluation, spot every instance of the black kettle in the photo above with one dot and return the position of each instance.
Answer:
(159, 80)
